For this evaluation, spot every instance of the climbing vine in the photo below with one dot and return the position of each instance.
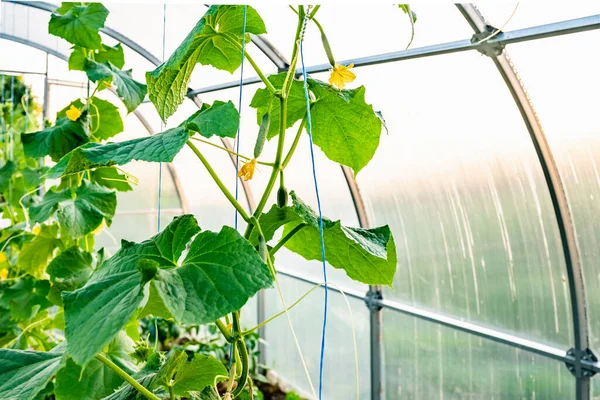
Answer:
(88, 303)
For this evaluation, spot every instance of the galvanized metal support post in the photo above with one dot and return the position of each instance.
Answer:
(556, 190)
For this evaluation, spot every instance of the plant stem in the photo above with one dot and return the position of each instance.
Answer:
(171, 393)
(219, 183)
(232, 374)
(128, 378)
(286, 238)
(279, 314)
(261, 75)
(290, 153)
(224, 331)
(230, 151)
(241, 345)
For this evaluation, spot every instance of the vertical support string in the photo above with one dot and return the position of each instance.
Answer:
(237, 150)
(164, 38)
(314, 172)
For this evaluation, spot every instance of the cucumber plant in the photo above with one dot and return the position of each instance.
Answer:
(184, 273)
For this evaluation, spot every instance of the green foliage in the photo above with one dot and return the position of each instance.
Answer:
(215, 40)
(25, 373)
(192, 376)
(79, 24)
(57, 140)
(105, 119)
(221, 119)
(111, 54)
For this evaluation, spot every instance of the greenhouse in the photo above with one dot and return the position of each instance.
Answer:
(261, 202)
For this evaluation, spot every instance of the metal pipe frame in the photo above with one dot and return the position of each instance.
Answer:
(373, 298)
(507, 70)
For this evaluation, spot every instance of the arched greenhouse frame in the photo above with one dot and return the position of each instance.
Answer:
(487, 176)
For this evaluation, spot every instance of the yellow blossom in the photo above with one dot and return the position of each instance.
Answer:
(73, 113)
(2, 257)
(36, 230)
(3, 273)
(340, 75)
(247, 170)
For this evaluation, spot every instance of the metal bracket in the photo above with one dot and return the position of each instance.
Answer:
(373, 298)
(485, 47)
(587, 355)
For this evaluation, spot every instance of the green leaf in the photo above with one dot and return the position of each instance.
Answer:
(162, 147)
(68, 271)
(146, 377)
(35, 255)
(95, 313)
(220, 119)
(26, 298)
(296, 107)
(79, 24)
(79, 212)
(186, 377)
(6, 172)
(25, 373)
(367, 255)
(55, 141)
(105, 118)
(130, 91)
(343, 125)
(220, 273)
(106, 53)
(111, 178)
(96, 380)
(215, 40)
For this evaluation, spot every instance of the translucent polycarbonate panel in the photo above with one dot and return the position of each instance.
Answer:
(339, 377)
(428, 361)
(511, 15)
(458, 181)
(335, 197)
(564, 91)
(30, 24)
(359, 30)
(29, 60)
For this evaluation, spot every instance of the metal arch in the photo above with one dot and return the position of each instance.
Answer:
(557, 193)
(139, 116)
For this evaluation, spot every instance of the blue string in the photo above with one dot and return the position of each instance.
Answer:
(161, 123)
(314, 170)
(237, 150)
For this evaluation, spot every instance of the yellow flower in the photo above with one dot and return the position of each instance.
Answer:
(247, 170)
(340, 75)
(3, 273)
(36, 230)
(73, 113)
(2, 257)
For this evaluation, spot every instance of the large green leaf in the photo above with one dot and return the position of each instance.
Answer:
(220, 273)
(68, 271)
(105, 118)
(6, 172)
(215, 40)
(192, 376)
(55, 141)
(95, 313)
(161, 147)
(79, 212)
(96, 380)
(367, 255)
(344, 126)
(106, 53)
(130, 91)
(25, 373)
(35, 255)
(220, 119)
(79, 24)
(296, 104)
